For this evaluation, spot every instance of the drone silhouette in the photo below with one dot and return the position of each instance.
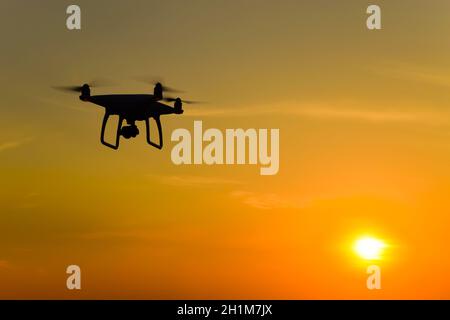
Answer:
(132, 108)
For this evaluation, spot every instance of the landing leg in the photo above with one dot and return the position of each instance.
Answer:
(147, 126)
(102, 136)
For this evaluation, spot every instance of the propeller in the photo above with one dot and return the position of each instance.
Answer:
(92, 84)
(170, 99)
(155, 81)
(68, 88)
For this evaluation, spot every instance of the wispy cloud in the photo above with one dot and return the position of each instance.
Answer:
(194, 181)
(414, 73)
(29, 201)
(4, 264)
(267, 201)
(121, 234)
(66, 105)
(160, 237)
(13, 144)
(323, 111)
(355, 114)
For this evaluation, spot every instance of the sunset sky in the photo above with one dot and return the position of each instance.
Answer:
(364, 119)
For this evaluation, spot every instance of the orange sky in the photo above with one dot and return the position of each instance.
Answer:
(364, 149)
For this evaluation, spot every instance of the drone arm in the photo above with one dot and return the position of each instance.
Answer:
(102, 137)
(147, 126)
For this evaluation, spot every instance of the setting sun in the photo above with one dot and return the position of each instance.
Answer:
(369, 248)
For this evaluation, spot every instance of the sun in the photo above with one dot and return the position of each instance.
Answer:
(369, 248)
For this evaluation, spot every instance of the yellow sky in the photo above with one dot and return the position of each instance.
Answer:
(364, 149)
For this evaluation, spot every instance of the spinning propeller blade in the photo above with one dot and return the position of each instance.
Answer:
(154, 81)
(68, 88)
(170, 99)
(92, 84)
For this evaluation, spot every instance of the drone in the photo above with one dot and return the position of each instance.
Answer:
(132, 108)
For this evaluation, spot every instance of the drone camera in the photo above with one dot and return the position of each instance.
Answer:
(129, 131)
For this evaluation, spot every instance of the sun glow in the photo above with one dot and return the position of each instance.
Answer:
(369, 248)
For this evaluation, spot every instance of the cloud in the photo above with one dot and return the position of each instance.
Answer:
(29, 201)
(194, 181)
(218, 112)
(4, 264)
(355, 114)
(267, 201)
(414, 73)
(65, 105)
(160, 237)
(13, 144)
(122, 234)
(324, 111)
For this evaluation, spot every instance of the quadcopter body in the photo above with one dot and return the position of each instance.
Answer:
(131, 108)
